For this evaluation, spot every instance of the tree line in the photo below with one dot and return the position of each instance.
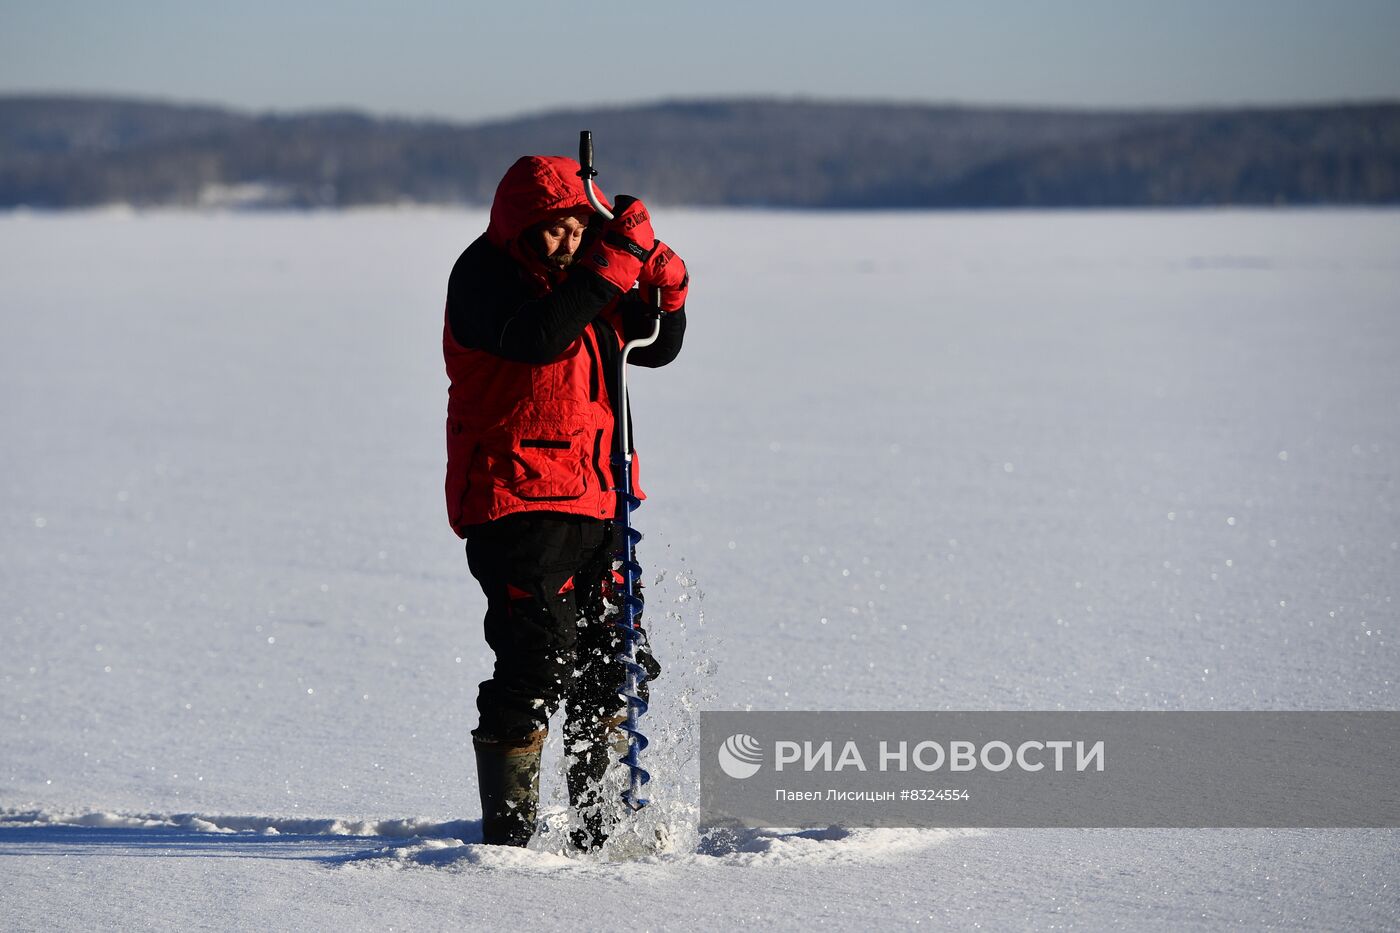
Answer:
(64, 152)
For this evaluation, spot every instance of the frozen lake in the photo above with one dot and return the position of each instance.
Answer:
(1117, 461)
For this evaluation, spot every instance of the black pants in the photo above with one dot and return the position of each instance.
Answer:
(547, 577)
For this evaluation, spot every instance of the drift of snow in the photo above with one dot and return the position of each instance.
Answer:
(423, 842)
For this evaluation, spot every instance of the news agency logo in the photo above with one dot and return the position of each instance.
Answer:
(858, 768)
(740, 756)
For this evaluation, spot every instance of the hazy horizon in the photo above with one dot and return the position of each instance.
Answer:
(434, 59)
(550, 109)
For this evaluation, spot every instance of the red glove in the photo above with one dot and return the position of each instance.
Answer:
(666, 272)
(623, 243)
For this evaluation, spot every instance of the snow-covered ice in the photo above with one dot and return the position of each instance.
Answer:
(1014, 461)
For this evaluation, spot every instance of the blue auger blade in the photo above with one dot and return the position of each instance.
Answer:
(630, 758)
(640, 777)
(637, 703)
(636, 676)
(631, 604)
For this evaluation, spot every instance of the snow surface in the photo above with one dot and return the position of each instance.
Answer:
(907, 461)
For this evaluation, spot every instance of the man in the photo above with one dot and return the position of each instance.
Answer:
(537, 310)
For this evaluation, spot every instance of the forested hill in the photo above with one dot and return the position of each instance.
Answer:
(74, 152)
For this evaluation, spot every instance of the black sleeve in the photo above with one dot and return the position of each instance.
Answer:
(489, 307)
(636, 322)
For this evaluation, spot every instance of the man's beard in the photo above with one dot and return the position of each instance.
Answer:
(560, 260)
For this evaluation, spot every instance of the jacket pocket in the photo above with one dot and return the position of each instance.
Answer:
(547, 466)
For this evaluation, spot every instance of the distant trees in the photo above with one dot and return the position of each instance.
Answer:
(71, 152)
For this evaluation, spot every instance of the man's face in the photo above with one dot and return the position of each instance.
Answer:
(560, 239)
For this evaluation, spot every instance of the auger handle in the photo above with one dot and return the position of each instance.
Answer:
(587, 172)
(624, 445)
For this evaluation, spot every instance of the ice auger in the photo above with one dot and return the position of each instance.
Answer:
(628, 619)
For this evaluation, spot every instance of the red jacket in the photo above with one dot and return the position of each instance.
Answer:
(530, 352)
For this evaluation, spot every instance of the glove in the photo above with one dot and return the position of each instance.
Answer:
(666, 272)
(623, 243)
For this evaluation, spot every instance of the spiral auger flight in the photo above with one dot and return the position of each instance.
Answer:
(628, 621)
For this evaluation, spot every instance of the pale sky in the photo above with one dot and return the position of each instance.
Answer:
(475, 61)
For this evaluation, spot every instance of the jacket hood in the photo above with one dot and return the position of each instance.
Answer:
(533, 190)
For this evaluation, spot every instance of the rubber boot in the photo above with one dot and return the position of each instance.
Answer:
(508, 774)
(592, 746)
